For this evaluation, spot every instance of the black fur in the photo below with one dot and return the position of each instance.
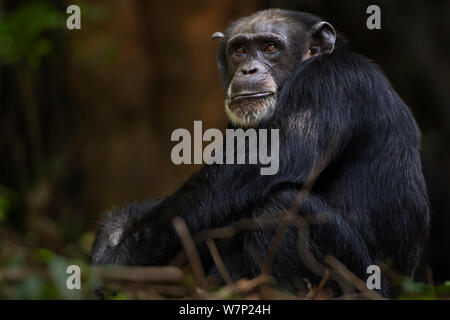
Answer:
(338, 118)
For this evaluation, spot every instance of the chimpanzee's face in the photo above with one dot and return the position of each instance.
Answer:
(260, 58)
(257, 56)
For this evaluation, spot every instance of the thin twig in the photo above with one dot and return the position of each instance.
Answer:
(191, 251)
(322, 283)
(342, 270)
(139, 274)
(219, 262)
(244, 286)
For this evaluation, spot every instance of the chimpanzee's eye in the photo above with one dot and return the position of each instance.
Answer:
(271, 48)
(239, 50)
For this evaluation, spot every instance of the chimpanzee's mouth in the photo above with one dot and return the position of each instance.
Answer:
(251, 95)
(250, 109)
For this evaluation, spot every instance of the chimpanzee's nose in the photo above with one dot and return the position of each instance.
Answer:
(249, 70)
(251, 67)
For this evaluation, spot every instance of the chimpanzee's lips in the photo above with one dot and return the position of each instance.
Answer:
(250, 95)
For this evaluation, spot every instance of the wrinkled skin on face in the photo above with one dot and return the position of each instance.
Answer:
(257, 56)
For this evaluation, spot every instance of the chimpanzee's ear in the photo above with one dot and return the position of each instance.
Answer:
(323, 37)
(216, 35)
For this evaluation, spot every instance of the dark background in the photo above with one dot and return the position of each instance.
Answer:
(86, 116)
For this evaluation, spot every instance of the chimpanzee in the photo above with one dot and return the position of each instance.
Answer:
(349, 169)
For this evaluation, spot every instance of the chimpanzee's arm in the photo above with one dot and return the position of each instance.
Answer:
(143, 234)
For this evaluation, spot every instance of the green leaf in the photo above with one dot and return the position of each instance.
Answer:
(24, 33)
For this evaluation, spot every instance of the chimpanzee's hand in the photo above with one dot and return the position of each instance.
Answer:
(126, 236)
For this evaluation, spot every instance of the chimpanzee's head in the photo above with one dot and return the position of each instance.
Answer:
(258, 54)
